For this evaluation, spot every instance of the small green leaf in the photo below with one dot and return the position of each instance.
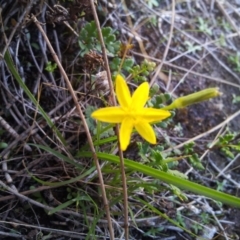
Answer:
(50, 67)
(236, 99)
(3, 145)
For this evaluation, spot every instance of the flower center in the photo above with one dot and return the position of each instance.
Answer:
(132, 115)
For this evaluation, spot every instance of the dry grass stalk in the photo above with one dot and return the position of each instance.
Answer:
(55, 57)
(124, 181)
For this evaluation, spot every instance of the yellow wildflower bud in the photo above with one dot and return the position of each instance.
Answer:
(193, 98)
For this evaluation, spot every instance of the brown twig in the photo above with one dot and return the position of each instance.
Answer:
(167, 47)
(124, 181)
(89, 138)
(225, 13)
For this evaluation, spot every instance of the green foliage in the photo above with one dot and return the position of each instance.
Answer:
(196, 161)
(177, 192)
(143, 150)
(205, 218)
(178, 129)
(157, 160)
(196, 227)
(192, 48)
(158, 100)
(152, 3)
(188, 148)
(226, 25)
(203, 26)
(221, 185)
(89, 40)
(116, 62)
(235, 61)
(153, 20)
(90, 121)
(152, 156)
(50, 67)
(35, 45)
(76, 198)
(105, 130)
(229, 144)
(154, 231)
(3, 145)
(37, 196)
(154, 90)
(192, 156)
(180, 219)
(140, 72)
(236, 99)
(222, 40)
(71, 194)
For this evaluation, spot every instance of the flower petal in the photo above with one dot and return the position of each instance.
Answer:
(122, 91)
(109, 114)
(151, 115)
(140, 96)
(125, 133)
(146, 131)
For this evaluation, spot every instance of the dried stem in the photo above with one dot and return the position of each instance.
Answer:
(124, 181)
(55, 57)
(158, 70)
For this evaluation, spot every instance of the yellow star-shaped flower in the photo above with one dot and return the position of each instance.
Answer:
(131, 113)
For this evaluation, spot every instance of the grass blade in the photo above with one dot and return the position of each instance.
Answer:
(170, 179)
